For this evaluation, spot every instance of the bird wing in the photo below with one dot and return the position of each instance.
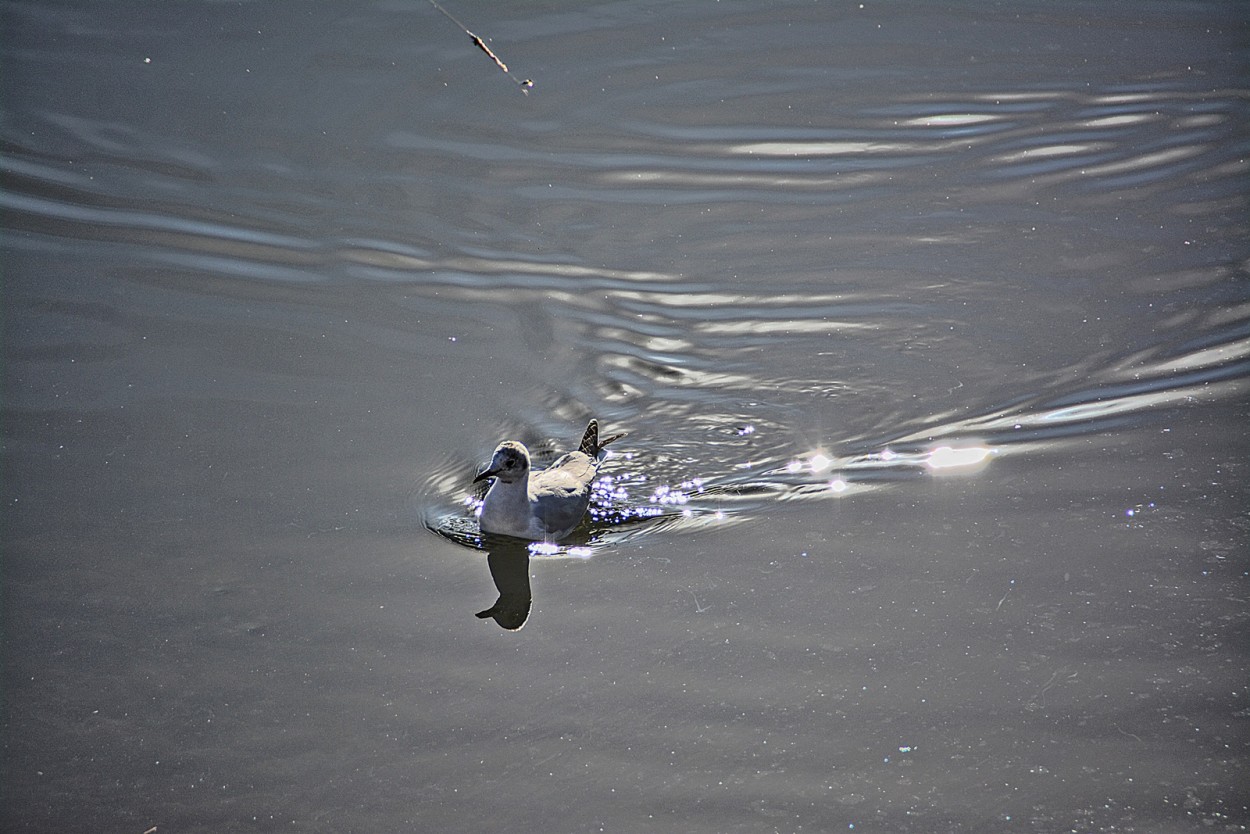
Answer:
(591, 444)
(560, 493)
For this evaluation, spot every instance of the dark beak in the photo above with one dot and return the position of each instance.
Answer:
(486, 473)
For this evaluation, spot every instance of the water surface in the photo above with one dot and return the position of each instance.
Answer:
(929, 327)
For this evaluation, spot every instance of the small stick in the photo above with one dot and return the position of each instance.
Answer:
(699, 607)
(481, 44)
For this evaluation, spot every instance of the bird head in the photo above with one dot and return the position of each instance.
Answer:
(511, 462)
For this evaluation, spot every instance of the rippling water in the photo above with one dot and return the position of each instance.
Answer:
(929, 327)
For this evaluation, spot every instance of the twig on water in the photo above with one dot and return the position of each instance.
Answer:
(699, 607)
(481, 44)
(1125, 732)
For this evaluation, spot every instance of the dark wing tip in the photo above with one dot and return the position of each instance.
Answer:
(590, 439)
(591, 444)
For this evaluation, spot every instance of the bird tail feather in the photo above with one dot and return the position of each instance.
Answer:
(591, 445)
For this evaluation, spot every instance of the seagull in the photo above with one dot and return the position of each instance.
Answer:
(545, 505)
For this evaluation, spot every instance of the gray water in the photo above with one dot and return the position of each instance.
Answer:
(929, 325)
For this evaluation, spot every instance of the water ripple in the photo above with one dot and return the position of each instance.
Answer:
(819, 344)
(736, 467)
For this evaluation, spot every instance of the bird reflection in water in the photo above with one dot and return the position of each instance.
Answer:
(509, 562)
(510, 568)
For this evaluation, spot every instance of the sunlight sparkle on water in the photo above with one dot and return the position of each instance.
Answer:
(946, 457)
(667, 495)
(553, 549)
(818, 462)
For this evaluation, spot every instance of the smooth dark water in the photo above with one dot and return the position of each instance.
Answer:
(929, 325)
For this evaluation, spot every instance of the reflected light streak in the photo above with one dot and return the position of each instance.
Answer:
(757, 326)
(553, 549)
(1051, 150)
(1120, 120)
(1010, 423)
(685, 299)
(1218, 355)
(952, 119)
(947, 457)
(371, 255)
(825, 148)
(1147, 160)
(696, 180)
(1012, 95)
